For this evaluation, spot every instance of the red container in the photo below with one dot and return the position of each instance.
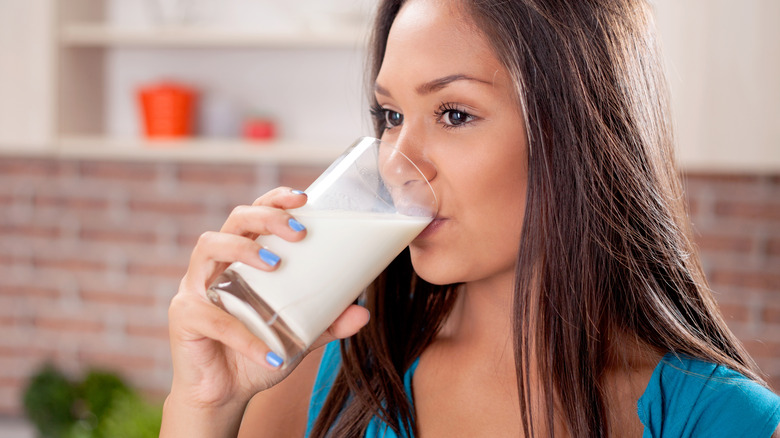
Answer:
(168, 110)
(259, 128)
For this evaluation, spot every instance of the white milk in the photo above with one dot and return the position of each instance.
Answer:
(321, 275)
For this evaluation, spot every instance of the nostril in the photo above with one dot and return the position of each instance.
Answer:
(423, 170)
(427, 169)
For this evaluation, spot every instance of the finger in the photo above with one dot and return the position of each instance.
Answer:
(252, 221)
(282, 197)
(346, 325)
(204, 321)
(214, 250)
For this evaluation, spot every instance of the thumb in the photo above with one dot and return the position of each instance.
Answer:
(346, 325)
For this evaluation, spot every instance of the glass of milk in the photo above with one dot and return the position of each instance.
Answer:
(360, 214)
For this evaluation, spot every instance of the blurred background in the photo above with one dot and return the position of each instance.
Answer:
(129, 127)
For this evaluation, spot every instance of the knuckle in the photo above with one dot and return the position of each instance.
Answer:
(239, 210)
(205, 239)
(179, 305)
(206, 236)
(272, 194)
(250, 247)
(252, 343)
(221, 323)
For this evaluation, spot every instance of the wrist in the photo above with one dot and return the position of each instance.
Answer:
(184, 418)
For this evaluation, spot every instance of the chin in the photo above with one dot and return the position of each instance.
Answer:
(434, 279)
(434, 270)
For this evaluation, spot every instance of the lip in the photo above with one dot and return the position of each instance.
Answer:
(432, 227)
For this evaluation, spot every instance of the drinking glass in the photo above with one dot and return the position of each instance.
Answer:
(360, 214)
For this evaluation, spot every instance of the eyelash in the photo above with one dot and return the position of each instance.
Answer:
(445, 108)
(379, 114)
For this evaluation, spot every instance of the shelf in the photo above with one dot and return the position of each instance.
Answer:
(274, 153)
(100, 35)
(197, 150)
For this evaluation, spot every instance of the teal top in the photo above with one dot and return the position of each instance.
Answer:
(688, 397)
(329, 367)
(685, 397)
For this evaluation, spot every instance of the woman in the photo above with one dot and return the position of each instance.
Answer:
(557, 291)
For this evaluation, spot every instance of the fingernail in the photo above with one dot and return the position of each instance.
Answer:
(268, 257)
(298, 192)
(273, 359)
(295, 225)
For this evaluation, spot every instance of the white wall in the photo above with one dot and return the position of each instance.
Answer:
(723, 58)
(272, 15)
(26, 73)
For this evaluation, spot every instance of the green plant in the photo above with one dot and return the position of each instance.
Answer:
(132, 417)
(101, 405)
(100, 390)
(48, 402)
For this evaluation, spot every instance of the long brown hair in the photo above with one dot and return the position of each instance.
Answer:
(605, 250)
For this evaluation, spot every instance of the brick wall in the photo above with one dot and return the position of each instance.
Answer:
(91, 253)
(736, 219)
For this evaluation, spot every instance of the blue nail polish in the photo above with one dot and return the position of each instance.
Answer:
(268, 257)
(273, 359)
(295, 225)
(298, 192)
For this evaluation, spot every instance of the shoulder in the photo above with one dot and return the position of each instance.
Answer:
(691, 397)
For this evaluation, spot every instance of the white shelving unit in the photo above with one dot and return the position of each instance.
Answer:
(83, 44)
(58, 95)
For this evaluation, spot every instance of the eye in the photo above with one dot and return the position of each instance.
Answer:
(453, 117)
(388, 118)
(393, 118)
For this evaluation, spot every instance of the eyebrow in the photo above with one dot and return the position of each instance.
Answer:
(434, 85)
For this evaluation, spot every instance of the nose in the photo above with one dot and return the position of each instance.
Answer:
(405, 161)
(407, 178)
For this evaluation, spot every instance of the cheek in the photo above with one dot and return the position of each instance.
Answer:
(497, 186)
(485, 235)
(497, 227)
(484, 188)
(496, 207)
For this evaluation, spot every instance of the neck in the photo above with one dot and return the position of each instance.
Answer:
(481, 319)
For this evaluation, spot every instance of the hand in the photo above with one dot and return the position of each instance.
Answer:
(218, 364)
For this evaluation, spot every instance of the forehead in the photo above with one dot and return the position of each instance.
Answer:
(437, 37)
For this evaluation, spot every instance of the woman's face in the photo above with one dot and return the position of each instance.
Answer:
(449, 104)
